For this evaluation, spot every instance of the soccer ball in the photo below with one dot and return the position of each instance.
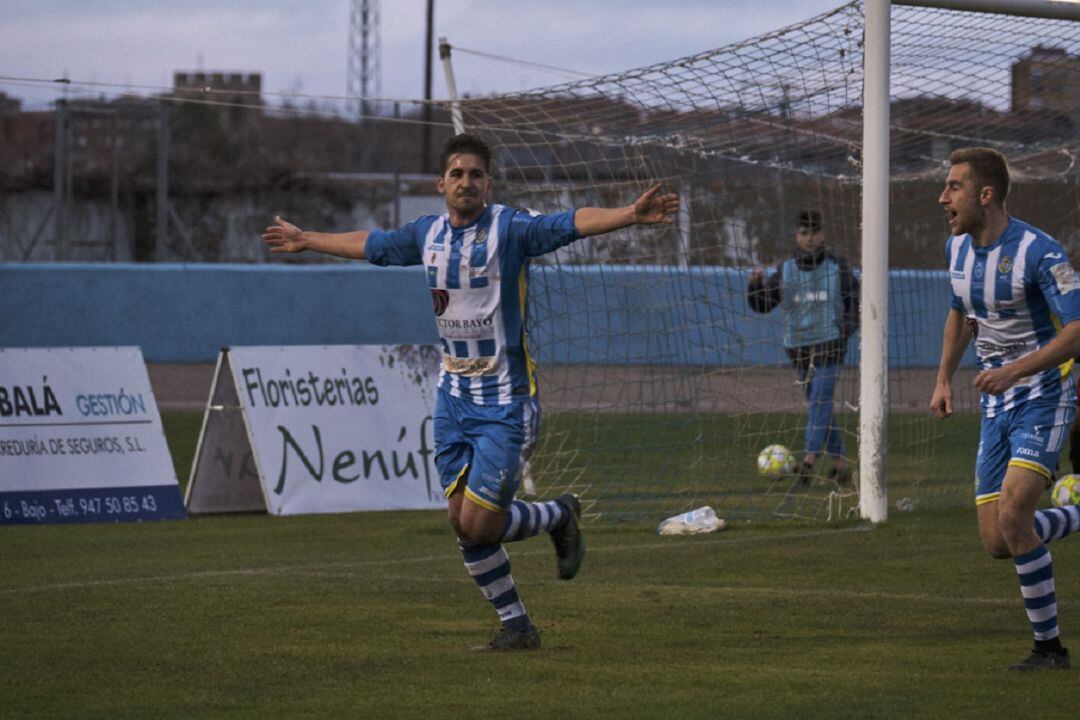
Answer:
(1066, 491)
(776, 460)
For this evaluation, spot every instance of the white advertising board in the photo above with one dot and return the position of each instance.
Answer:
(81, 439)
(318, 429)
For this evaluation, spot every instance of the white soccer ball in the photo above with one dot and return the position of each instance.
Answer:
(774, 461)
(1066, 491)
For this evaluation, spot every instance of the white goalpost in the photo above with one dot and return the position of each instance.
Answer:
(659, 384)
(874, 366)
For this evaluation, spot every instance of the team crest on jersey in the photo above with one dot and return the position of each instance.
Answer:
(481, 237)
(1005, 265)
(978, 272)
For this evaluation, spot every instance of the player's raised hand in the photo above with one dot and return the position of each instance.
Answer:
(654, 208)
(283, 236)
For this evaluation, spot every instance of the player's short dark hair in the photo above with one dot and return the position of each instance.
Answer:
(468, 144)
(988, 168)
(810, 219)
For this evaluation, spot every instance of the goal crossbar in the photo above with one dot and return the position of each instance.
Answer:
(1052, 9)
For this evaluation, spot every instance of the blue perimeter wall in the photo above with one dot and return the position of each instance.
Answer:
(580, 314)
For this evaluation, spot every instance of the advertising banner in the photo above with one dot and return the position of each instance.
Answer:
(319, 429)
(81, 439)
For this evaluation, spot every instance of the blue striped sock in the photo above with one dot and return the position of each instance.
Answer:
(525, 519)
(1056, 523)
(489, 566)
(1036, 572)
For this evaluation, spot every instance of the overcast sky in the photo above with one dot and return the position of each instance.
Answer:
(302, 46)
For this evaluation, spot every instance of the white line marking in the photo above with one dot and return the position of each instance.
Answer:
(351, 569)
(656, 544)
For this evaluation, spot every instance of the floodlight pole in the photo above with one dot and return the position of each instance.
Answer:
(451, 87)
(62, 178)
(161, 214)
(425, 153)
(874, 333)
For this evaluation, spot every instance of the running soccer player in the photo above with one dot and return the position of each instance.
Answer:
(1016, 295)
(476, 258)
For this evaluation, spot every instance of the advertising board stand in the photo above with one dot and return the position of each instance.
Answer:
(318, 429)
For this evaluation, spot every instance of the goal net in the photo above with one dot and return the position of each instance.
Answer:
(659, 383)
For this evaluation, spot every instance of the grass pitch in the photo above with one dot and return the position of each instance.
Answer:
(372, 615)
(652, 465)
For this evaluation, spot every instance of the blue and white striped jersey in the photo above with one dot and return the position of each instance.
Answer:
(478, 276)
(1016, 295)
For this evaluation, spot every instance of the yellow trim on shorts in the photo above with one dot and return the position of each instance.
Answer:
(457, 481)
(530, 364)
(481, 501)
(1028, 465)
(984, 499)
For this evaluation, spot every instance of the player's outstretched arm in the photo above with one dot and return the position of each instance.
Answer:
(283, 236)
(956, 337)
(650, 208)
(1064, 347)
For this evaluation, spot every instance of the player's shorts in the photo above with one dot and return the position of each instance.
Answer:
(479, 445)
(1030, 435)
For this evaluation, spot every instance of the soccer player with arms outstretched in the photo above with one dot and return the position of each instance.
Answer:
(476, 258)
(1016, 295)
